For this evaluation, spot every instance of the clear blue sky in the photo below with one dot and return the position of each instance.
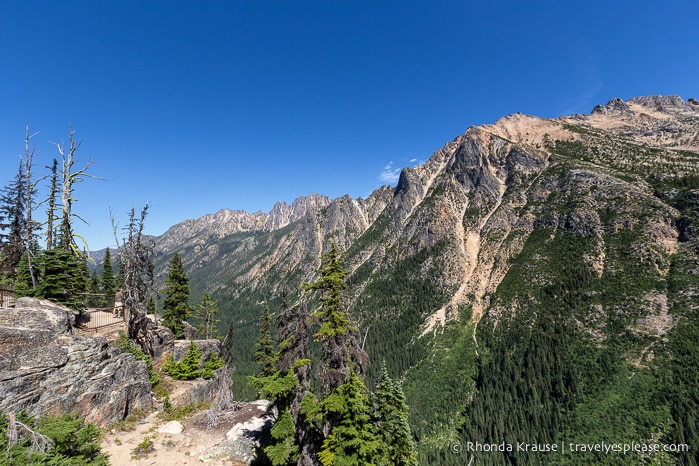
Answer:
(198, 106)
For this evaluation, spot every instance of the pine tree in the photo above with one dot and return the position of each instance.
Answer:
(353, 441)
(95, 283)
(391, 419)
(64, 277)
(23, 282)
(12, 225)
(343, 410)
(109, 284)
(206, 311)
(176, 303)
(264, 349)
(152, 310)
(293, 439)
(340, 339)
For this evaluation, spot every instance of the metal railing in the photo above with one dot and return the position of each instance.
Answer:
(7, 298)
(93, 319)
(98, 312)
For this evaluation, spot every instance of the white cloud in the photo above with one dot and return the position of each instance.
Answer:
(389, 174)
(413, 160)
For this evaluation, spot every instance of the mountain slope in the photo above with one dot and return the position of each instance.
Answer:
(534, 276)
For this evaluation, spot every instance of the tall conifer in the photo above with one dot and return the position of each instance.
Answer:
(12, 225)
(391, 419)
(109, 284)
(339, 337)
(264, 349)
(207, 311)
(176, 302)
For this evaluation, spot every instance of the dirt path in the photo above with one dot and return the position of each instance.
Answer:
(199, 438)
(167, 449)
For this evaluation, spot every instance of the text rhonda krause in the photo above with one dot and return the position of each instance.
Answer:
(603, 447)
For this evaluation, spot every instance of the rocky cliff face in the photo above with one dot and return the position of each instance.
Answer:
(225, 222)
(47, 369)
(477, 198)
(509, 237)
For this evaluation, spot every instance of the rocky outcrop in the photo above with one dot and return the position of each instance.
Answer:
(46, 369)
(245, 438)
(197, 391)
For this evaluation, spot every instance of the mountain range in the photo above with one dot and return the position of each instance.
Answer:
(536, 280)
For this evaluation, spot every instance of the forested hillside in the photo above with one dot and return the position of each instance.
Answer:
(534, 282)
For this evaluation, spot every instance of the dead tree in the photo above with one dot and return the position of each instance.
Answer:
(29, 190)
(69, 177)
(136, 260)
(51, 209)
(40, 443)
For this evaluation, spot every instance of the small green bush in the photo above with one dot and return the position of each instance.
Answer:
(191, 367)
(67, 438)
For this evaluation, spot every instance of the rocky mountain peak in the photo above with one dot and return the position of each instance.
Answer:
(283, 214)
(615, 105)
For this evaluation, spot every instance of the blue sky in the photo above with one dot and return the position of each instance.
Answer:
(198, 106)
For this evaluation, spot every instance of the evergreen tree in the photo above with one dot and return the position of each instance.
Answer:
(95, 288)
(53, 440)
(63, 277)
(23, 282)
(353, 441)
(343, 411)
(264, 349)
(109, 284)
(152, 310)
(339, 338)
(206, 311)
(176, 303)
(391, 419)
(12, 225)
(193, 364)
(293, 439)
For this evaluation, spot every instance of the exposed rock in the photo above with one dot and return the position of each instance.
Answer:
(190, 331)
(246, 437)
(226, 222)
(48, 370)
(172, 427)
(614, 105)
(155, 340)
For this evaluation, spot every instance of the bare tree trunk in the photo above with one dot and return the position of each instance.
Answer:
(68, 180)
(29, 200)
(51, 211)
(136, 261)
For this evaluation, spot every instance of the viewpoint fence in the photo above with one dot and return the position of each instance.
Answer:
(98, 313)
(7, 298)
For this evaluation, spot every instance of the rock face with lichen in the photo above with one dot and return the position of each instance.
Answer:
(47, 369)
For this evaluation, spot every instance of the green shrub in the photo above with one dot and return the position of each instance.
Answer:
(56, 440)
(191, 366)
